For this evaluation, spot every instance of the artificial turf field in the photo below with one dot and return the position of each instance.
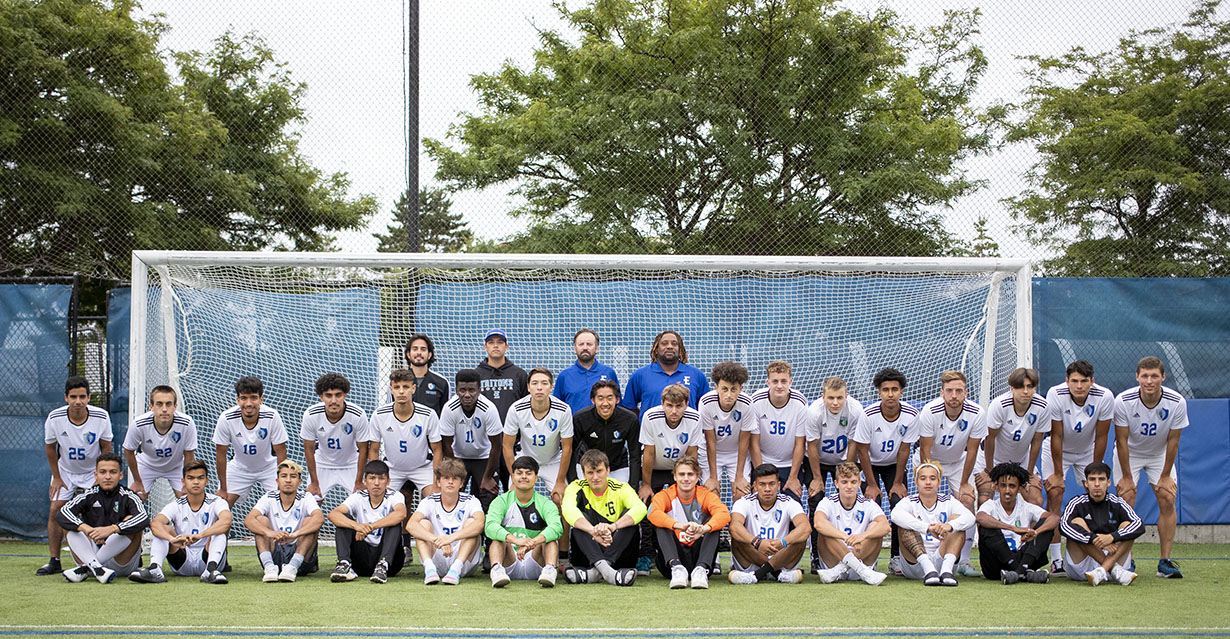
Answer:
(1196, 606)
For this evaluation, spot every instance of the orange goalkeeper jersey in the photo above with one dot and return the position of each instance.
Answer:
(705, 508)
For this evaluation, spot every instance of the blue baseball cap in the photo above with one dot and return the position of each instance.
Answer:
(496, 332)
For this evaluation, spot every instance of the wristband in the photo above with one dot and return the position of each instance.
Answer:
(756, 542)
(783, 544)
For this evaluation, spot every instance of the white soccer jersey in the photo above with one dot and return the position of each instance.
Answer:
(726, 426)
(161, 453)
(407, 445)
(951, 435)
(774, 523)
(853, 521)
(884, 438)
(778, 427)
(447, 522)
(1024, 515)
(540, 438)
(187, 521)
(833, 431)
(1079, 421)
(79, 445)
(360, 508)
(337, 444)
(1014, 433)
(470, 434)
(1147, 427)
(290, 519)
(912, 514)
(252, 448)
(669, 443)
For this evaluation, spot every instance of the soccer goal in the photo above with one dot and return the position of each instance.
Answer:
(201, 320)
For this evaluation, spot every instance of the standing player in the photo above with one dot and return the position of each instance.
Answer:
(851, 529)
(104, 525)
(524, 528)
(190, 533)
(668, 364)
(1081, 413)
(75, 435)
(159, 443)
(471, 431)
(1016, 424)
(1101, 529)
(367, 526)
(833, 419)
(258, 436)
(950, 429)
(285, 524)
(574, 383)
(335, 436)
(728, 421)
(1014, 533)
(447, 527)
(878, 449)
(610, 428)
(687, 519)
(545, 426)
(781, 429)
(430, 389)
(768, 532)
(410, 434)
(604, 515)
(1148, 422)
(933, 529)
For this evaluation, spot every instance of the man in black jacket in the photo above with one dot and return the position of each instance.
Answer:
(502, 382)
(610, 428)
(430, 389)
(1100, 528)
(104, 525)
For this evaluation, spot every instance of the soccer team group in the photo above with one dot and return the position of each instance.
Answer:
(631, 478)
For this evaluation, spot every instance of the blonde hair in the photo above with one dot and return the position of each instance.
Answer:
(778, 367)
(292, 466)
(834, 384)
(928, 464)
(847, 469)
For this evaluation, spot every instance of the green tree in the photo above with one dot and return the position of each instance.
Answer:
(440, 230)
(1134, 175)
(729, 126)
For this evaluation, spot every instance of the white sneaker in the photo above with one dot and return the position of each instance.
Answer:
(741, 577)
(790, 576)
(546, 578)
(830, 575)
(271, 574)
(1095, 576)
(894, 565)
(499, 576)
(289, 573)
(679, 577)
(872, 577)
(700, 578)
(1124, 576)
(103, 574)
(431, 578)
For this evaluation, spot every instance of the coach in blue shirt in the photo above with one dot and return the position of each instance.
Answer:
(669, 365)
(574, 383)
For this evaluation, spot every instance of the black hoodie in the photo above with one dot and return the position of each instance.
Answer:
(503, 385)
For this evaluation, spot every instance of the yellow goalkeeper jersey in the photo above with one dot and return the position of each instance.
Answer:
(616, 501)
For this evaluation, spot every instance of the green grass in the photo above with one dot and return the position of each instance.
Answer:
(46, 606)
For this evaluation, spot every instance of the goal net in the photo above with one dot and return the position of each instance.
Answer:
(202, 320)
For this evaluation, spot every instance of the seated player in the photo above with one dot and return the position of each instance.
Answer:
(335, 435)
(834, 419)
(104, 525)
(1101, 529)
(687, 520)
(850, 528)
(932, 529)
(1014, 532)
(159, 443)
(768, 532)
(524, 528)
(604, 515)
(367, 525)
(190, 533)
(285, 524)
(447, 528)
(258, 437)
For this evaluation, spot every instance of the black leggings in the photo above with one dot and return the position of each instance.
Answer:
(699, 553)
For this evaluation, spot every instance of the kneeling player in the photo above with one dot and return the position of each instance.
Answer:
(524, 528)
(284, 525)
(768, 532)
(190, 532)
(1100, 528)
(447, 527)
(932, 529)
(686, 519)
(851, 529)
(604, 515)
(1014, 531)
(368, 529)
(104, 525)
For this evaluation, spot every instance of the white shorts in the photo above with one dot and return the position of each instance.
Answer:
(1076, 462)
(327, 478)
(1151, 465)
(618, 474)
(240, 480)
(423, 476)
(132, 566)
(175, 477)
(524, 569)
(468, 568)
(952, 475)
(724, 469)
(547, 474)
(1076, 569)
(194, 564)
(72, 483)
(916, 571)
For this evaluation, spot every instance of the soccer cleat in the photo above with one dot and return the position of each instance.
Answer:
(741, 577)
(289, 573)
(815, 567)
(790, 577)
(644, 566)
(499, 576)
(147, 576)
(581, 575)
(700, 578)
(50, 568)
(964, 569)
(213, 577)
(431, 578)
(894, 565)
(1095, 576)
(451, 578)
(380, 574)
(271, 574)
(76, 575)
(546, 578)
(947, 579)
(103, 574)
(1168, 569)
(1057, 567)
(679, 577)
(830, 575)
(1009, 577)
(626, 576)
(1037, 576)
(343, 572)
(717, 568)
(931, 579)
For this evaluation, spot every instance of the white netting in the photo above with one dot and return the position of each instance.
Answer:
(289, 325)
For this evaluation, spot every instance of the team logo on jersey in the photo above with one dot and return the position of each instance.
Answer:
(418, 430)
(478, 423)
(1089, 410)
(943, 518)
(843, 422)
(683, 438)
(962, 425)
(1164, 413)
(90, 437)
(115, 507)
(616, 434)
(348, 428)
(298, 513)
(175, 436)
(431, 386)
(262, 433)
(738, 415)
(533, 518)
(858, 516)
(1031, 418)
(901, 431)
(777, 514)
(602, 377)
(204, 519)
(554, 424)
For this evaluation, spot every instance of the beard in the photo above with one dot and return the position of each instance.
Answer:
(585, 358)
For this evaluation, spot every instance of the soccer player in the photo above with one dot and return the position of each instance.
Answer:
(104, 525)
(781, 428)
(727, 421)
(878, 449)
(687, 520)
(367, 526)
(669, 432)
(833, 419)
(190, 533)
(410, 433)
(1016, 424)
(430, 389)
(768, 532)
(75, 434)
(933, 528)
(610, 428)
(447, 527)
(574, 383)
(950, 430)
(159, 443)
(471, 431)
(258, 436)
(524, 528)
(335, 436)
(1080, 413)
(545, 426)
(285, 524)
(1014, 533)
(851, 529)
(604, 515)
(1101, 529)
(1148, 422)
(502, 381)
(668, 364)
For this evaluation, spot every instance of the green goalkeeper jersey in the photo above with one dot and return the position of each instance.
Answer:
(507, 516)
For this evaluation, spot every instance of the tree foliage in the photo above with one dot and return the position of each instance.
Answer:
(440, 230)
(729, 126)
(1134, 175)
